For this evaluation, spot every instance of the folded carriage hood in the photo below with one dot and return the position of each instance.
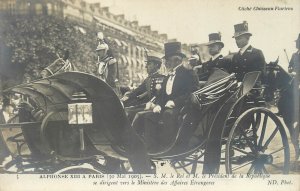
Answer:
(56, 91)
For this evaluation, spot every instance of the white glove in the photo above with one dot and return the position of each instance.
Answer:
(125, 98)
(149, 105)
(157, 109)
(170, 104)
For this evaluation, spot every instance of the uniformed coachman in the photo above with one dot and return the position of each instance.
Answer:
(248, 58)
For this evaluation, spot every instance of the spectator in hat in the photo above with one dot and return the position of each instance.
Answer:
(5, 114)
(248, 58)
(215, 46)
(149, 89)
(6, 111)
(176, 88)
(294, 65)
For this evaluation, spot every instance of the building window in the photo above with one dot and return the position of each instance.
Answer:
(131, 50)
(137, 52)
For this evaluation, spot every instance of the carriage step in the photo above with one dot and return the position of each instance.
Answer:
(11, 139)
(14, 138)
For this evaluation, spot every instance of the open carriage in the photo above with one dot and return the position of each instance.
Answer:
(74, 123)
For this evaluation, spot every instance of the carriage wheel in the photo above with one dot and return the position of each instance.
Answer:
(188, 164)
(261, 147)
(79, 169)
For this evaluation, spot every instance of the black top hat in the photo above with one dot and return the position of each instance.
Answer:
(215, 38)
(173, 48)
(240, 29)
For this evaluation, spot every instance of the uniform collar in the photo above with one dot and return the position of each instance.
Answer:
(153, 74)
(243, 50)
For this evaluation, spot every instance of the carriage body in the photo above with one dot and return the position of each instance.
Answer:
(43, 121)
(52, 143)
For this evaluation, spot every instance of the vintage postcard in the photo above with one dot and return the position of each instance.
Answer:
(149, 94)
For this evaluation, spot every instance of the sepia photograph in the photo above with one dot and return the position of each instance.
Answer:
(170, 95)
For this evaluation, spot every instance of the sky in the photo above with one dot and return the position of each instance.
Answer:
(190, 21)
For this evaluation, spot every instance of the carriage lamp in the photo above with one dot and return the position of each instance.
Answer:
(80, 114)
(80, 110)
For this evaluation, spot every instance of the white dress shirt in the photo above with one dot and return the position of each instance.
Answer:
(170, 82)
(6, 116)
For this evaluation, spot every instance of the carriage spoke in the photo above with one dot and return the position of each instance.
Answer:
(241, 166)
(264, 170)
(270, 139)
(277, 150)
(263, 131)
(254, 126)
(253, 121)
(251, 170)
(242, 151)
(194, 167)
(275, 166)
(256, 121)
(183, 167)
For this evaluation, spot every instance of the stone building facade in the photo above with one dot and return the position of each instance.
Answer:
(133, 40)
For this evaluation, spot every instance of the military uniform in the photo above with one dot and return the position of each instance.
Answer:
(149, 88)
(106, 63)
(107, 70)
(294, 64)
(248, 59)
(251, 60)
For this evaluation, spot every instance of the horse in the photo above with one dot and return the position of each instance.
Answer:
(287, 85)
(58, 66)
(270, 88)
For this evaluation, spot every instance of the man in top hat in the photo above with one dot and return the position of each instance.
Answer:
(148, 89)
(294, 65)
(248, 59)
(215, 46)
(176, 89)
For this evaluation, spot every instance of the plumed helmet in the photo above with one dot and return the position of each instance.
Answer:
(100, 36)
(102, 45)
